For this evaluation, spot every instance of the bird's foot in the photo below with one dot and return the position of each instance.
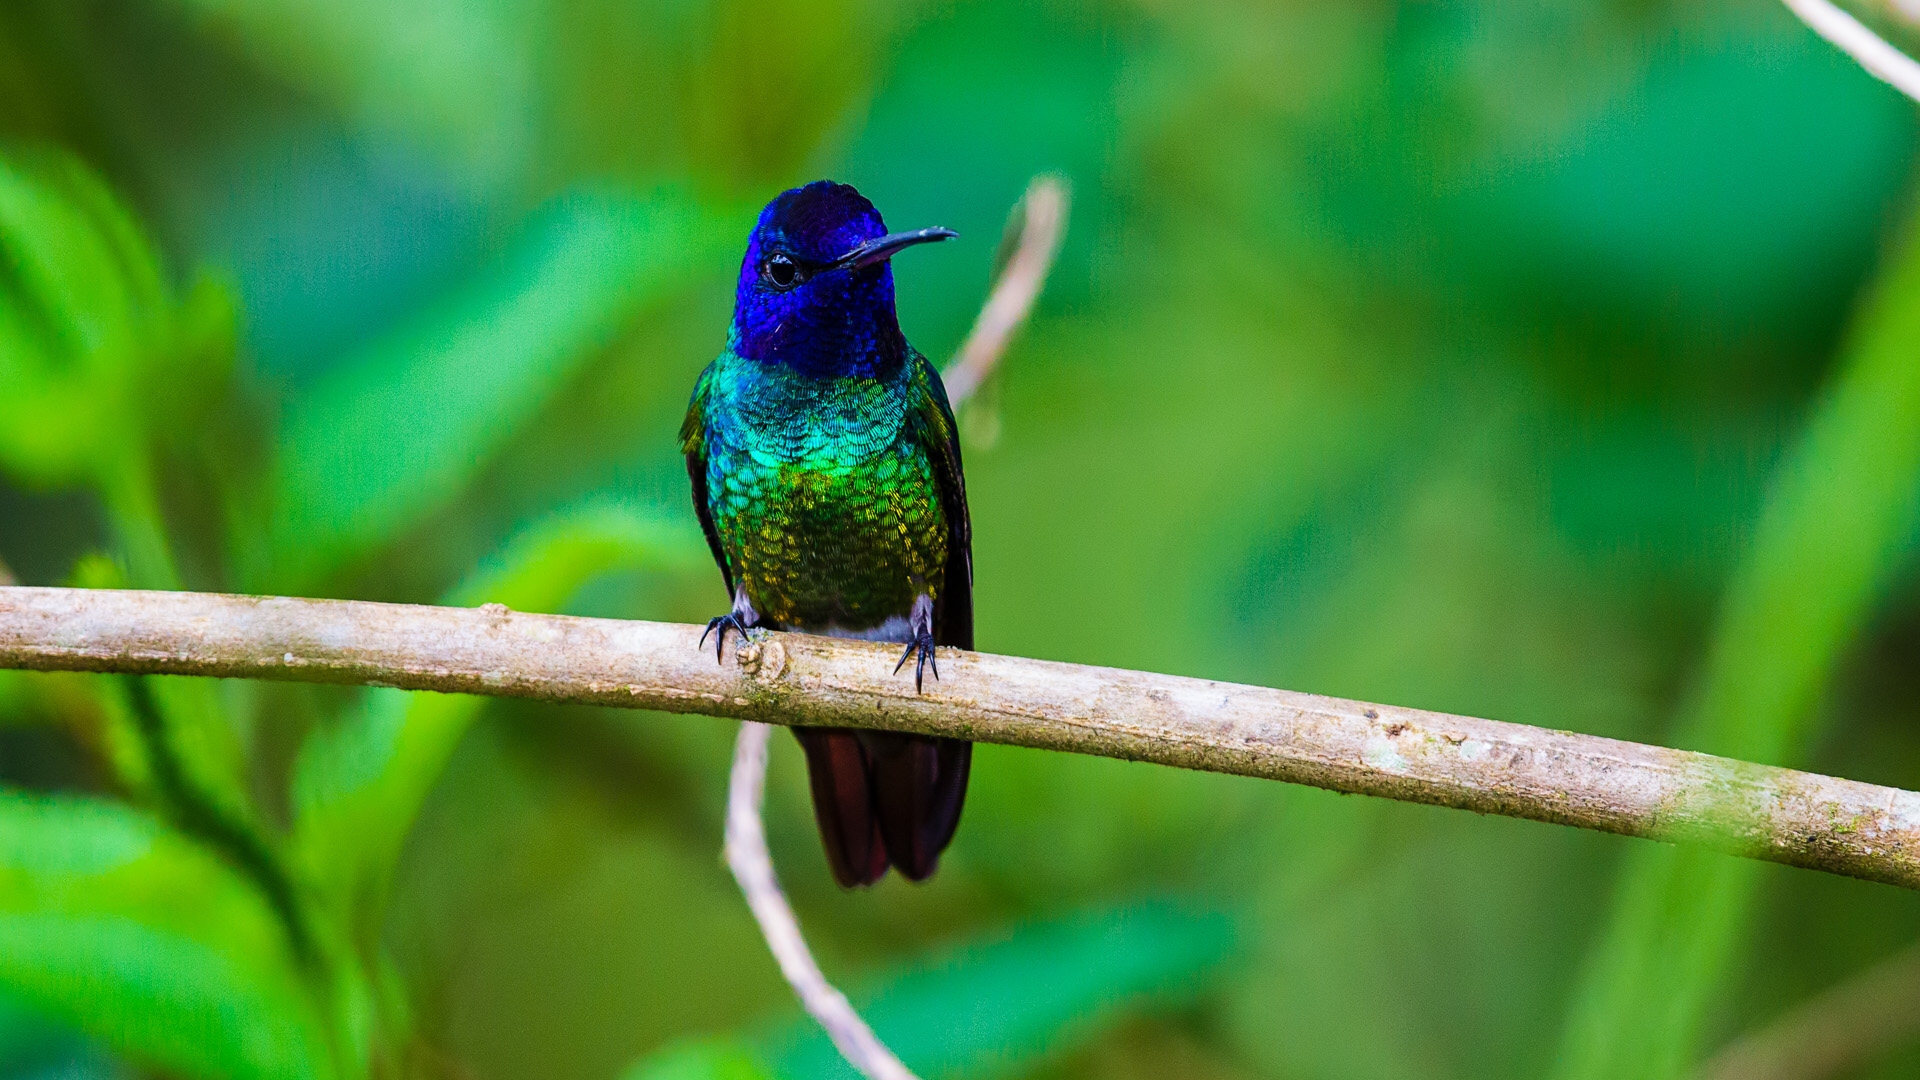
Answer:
(922, 644)
(742, 618)
(722, 623)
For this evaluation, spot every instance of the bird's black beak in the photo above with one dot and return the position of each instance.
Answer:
(882, 248)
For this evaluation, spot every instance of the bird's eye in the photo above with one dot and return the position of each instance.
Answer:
(781, 271)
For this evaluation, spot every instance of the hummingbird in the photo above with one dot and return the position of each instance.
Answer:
(826, 474)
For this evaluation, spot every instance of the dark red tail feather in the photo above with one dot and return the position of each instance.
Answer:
(881, 798)
(950, 791)
(843, 804)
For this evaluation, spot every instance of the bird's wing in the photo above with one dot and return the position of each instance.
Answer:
(693, 443)
(953, 608)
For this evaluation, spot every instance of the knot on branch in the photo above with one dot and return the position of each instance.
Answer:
(764, 661)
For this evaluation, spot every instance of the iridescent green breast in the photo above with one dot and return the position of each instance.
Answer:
(824, 498)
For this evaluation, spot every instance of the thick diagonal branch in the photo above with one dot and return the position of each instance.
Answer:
(1782, 815)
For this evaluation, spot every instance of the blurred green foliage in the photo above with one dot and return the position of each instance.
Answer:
(1552, 361)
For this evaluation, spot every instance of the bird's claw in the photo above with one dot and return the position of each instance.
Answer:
(922, 643)
(730, 621)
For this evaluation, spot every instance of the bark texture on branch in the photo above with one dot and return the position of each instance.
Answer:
(1783, 815)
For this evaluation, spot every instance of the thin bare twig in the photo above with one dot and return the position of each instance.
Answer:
(752, 867)
(1758, 811)
(1868, 49)
(1834, 1033)
(1043, 217)
(1042, 214)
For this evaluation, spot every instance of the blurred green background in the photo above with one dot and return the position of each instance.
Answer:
(1550, 360)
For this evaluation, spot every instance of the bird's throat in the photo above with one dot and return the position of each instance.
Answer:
(829, 328)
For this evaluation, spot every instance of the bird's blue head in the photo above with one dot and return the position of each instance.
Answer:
(816, 289)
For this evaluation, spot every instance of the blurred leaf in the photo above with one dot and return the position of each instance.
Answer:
(82, 295)
(358, 786)
(453, 74)
(543, 566)
(334, 239)
(88, 329)
(979, 101)
(33, 1047)
(717, 1060)
(398, 431)
(96, 570)
(173, 742)
(1739, 178)
(996, 1008)
(173, 739)
(13, 696)
(743, 133)
(123, 929)
(26, 1036)
(185, 721)
(94, 353)
(1834, 530)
